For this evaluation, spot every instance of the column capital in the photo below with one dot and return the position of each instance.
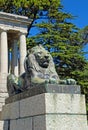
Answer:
(3, 30)
(22, 33)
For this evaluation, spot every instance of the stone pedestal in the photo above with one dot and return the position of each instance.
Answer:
(45, 111)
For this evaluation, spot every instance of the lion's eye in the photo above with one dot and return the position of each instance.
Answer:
(39, 53)
(47, 53)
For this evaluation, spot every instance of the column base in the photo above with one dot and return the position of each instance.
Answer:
(3, 89)
(3, 95)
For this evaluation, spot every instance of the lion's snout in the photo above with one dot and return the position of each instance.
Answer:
(46, 57)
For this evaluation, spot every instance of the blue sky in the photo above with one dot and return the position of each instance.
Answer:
(77, 8)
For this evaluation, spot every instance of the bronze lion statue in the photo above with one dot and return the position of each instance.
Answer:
(39, 69)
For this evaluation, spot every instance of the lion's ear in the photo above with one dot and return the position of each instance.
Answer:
(40, 46)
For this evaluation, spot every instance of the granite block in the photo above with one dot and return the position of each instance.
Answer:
(65, 103)
(66, 122)
(32, 106)
(10, 111)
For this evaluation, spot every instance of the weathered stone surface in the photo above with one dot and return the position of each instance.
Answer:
(3, 82)
(5, 112)
(14, 110)
(45, 103)
(3, 95)
(48, 88)
(21, 124)
(3, 88)
(16, 22)
(65, 103)
(13, 125)
(11, 111)
(1, 125)
(60, 122)
(47, 111)
(26, 124)
(6, 125)
(65, 122)
(49, 122)
(32, 106)
(52, 103)
(2, 100)
(1, 104)
(39, 123)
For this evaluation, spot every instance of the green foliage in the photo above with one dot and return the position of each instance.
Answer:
(26, 7)
(30, 43)
(30, 8)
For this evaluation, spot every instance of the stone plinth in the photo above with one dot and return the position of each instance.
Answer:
(46, 111)
(45, 88)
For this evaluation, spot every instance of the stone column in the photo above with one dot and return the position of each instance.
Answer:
(22, 51)
(4, 52)
(15, 58)
(3, 67)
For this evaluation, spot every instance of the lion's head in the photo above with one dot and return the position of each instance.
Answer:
(39, 63)
(38, 57)
(42, 56)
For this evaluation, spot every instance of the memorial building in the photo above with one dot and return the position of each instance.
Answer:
(13, 30)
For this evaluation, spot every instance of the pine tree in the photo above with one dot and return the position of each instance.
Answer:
(63, 40)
